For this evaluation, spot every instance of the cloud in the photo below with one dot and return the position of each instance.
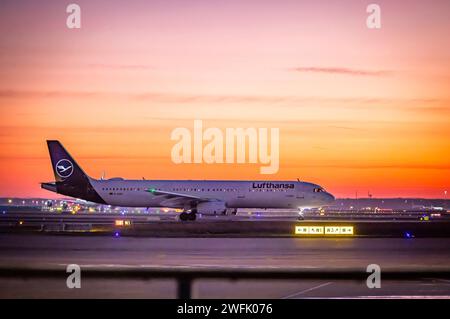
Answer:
(344, 71)
(17, 94)
(432, 110)
(122, 66)
(194, 98)
(425, 105)
(346, 128)
(436, 166)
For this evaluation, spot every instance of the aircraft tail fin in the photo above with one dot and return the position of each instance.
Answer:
(64, 166)
(70, 179)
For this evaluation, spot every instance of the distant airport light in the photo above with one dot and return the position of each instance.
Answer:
(116, 234)
(9, 201)
(119, 222)
(21, 222)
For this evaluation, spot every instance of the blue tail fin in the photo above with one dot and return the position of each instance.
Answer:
(70, 179)
(64, 166)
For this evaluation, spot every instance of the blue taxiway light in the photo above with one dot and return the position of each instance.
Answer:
(408, 235)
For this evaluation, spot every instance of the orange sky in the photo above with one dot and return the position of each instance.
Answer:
(358, 109)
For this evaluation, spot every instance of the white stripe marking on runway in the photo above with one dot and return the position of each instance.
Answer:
(307, 290)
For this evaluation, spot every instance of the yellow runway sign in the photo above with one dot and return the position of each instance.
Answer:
(324, 230)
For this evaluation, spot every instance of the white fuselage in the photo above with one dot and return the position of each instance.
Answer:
(235, 194)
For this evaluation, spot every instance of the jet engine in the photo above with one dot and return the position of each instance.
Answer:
(212, 208)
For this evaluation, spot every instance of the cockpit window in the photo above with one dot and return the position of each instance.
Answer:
(318, 190)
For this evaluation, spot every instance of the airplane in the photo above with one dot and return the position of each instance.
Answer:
(208, 197)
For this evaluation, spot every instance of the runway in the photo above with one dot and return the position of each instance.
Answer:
(167, 225)
(41, 251)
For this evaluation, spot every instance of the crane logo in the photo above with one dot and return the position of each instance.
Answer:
(64, 168)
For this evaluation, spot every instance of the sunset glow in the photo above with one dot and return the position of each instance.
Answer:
(359, 110)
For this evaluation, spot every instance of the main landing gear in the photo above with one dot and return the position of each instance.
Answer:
(301, 216)
(184, 216)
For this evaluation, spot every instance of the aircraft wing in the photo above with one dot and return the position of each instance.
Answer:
(177, 199)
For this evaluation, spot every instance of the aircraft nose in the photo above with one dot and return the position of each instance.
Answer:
(329, 198)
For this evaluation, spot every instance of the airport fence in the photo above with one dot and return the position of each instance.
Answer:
(185, 277)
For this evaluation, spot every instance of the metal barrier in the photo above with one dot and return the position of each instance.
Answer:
(185, 276)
